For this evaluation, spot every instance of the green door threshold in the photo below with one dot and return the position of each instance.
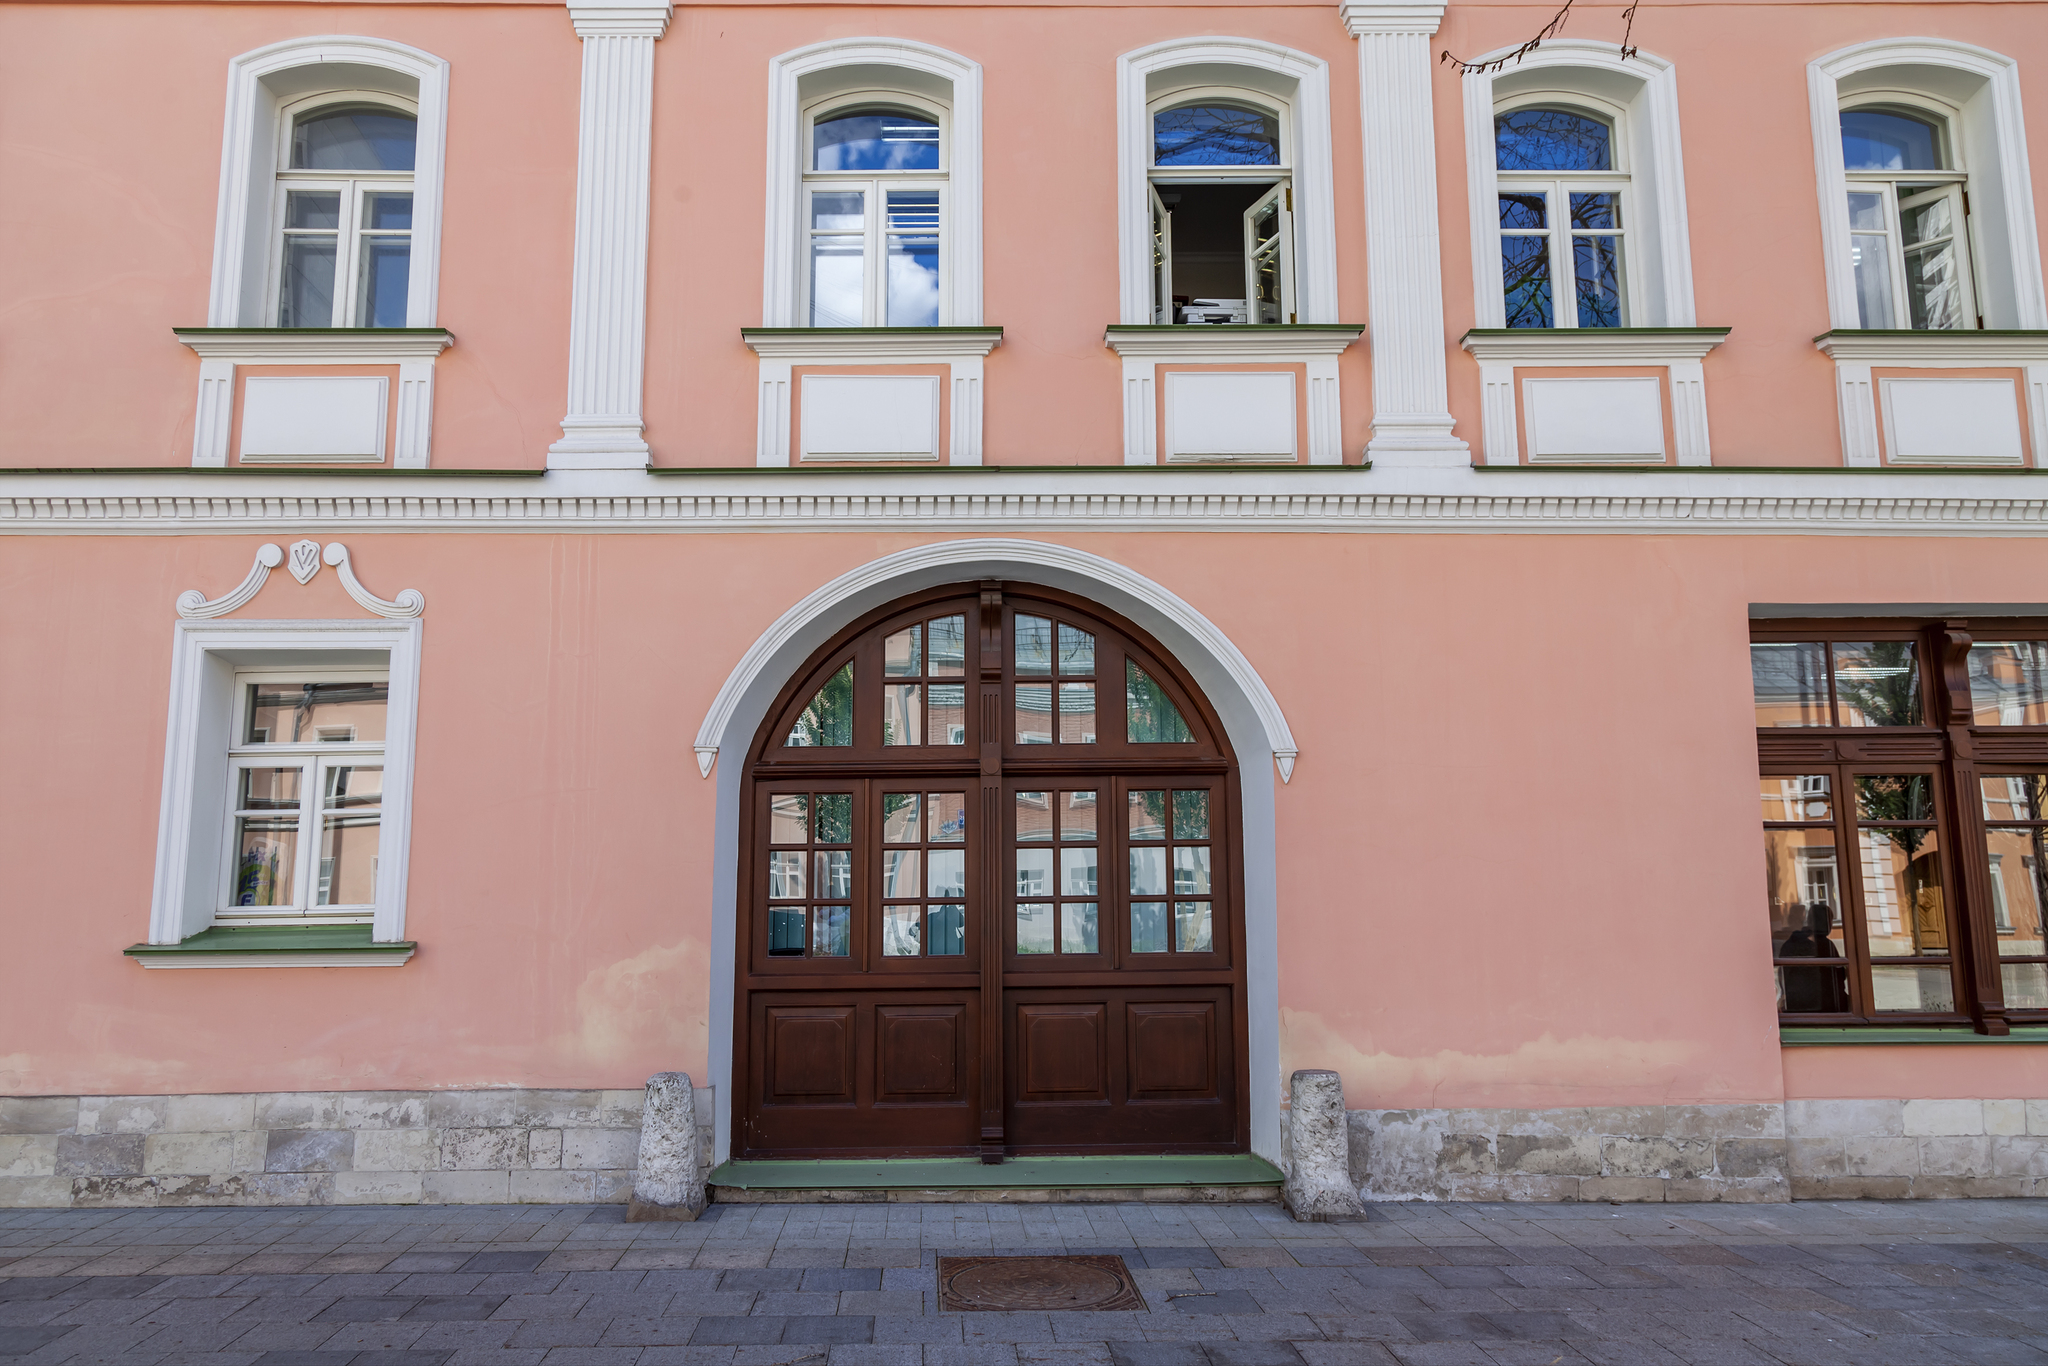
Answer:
(1224, 1179)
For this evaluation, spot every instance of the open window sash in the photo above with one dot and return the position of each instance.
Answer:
(1162, 258)
(1269, 257)
(1935, 258)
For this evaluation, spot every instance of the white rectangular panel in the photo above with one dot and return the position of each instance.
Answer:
(337, 418)
(1618, 420)
(1230, 415)
(870, 417)
(1951, 422)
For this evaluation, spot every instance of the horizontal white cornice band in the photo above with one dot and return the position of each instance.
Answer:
(1322, 499)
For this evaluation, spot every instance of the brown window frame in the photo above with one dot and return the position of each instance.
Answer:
(1946, 745)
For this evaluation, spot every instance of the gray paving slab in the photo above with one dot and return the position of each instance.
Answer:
(1871, 1284)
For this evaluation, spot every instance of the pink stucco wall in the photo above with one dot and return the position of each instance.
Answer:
(1517, 860)
(113, 248)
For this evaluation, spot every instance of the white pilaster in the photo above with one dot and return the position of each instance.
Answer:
(415, 415)
(608, 306)
(1411, 423)
(216, 411)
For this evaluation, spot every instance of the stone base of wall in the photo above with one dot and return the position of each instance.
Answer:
(1917, 1149)
(1628, 1153)
(323, 1148)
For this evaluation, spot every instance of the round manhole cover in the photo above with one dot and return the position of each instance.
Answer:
(1069, 1284)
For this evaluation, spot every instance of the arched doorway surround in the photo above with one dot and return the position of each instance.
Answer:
(1244, 707)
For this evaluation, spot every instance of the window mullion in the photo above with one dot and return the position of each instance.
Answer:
(1855, 928)
(1564, 292)
(876, 306)
(309, 835)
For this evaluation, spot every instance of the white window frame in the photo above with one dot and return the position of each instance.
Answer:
(1270, 76)
(1988, 136)
(351, 186)
(1952, 180)
(932, 77)
(195, 829)
(264, 87)
(1181, 96)
(1557, 187)
(1640, 93)
(875, 185)
(314, 759)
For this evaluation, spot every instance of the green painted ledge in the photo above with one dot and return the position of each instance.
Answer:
(1791, 1035)
(276, 946)
(953, 1173)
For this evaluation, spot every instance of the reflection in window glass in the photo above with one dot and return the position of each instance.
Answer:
(1034, 645)
(830, 932)
(948, 815)
(901, 714)
(1153, 719)
(322, 713)
(1148, 815)
(1191, 815)
(946, 931)
(1034, 815)
(1552, 140)
(948, 647)
(1191, 928)
(1912, 988)
(2009, 683)
(946, 709)
(1215, 135)
(355, 140)
(1877, 683)
(903, 654)
(1077, 815)
(1148, 927)
(1804, 797)
(1034, 872)
(1034, 927)
(1078, 928)
(875, 140)
(1077, 713)
(1077, 651)
(835, 818)
(1791, 683)
(1879, 140)
(900, 823)
(789, 818)
(827, 719)
(1034, 713)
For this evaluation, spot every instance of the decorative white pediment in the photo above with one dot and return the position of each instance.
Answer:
(305, 563)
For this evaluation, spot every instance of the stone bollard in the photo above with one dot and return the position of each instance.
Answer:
(670, 1181)
(1319, 1188)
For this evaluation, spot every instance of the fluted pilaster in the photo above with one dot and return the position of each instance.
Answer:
(608, 309)
(1411, 422)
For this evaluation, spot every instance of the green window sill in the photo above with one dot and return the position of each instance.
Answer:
(1801, 1035)
(276, 946)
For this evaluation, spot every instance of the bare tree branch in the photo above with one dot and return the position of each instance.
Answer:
(1549, 31)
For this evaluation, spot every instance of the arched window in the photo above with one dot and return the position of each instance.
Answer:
(990, 890)
(874, 207)
(1222, 209)
(1564, 215)
(344, 210)
(1908, 199)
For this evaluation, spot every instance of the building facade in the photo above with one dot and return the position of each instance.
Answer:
(547, 546)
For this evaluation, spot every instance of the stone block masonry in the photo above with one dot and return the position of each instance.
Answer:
(1615, 1153)
(490, 1147)
(1917, 1149)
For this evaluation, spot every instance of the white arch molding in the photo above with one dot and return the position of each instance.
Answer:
(1249, 713)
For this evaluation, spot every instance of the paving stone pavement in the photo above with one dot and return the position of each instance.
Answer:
(1873, 1284)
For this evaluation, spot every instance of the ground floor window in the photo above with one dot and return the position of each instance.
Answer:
(1904, 794)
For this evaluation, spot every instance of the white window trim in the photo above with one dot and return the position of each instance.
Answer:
(1307, 143)
(1557, 187)
(191, 835)
(782, 289)
(1659, 259)
(244, 223)
(1281, 174)
(2002, 190)
(1948, 120)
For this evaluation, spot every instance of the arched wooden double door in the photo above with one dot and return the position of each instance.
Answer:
(990, 894)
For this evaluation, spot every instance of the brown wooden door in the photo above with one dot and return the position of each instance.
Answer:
(991, 899)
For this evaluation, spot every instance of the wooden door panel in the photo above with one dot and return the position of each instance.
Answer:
(860, 1073)
(921, 1054)
(1062, 1053)
(809, 1055)
(1169, 1078)
(1172, 1049)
